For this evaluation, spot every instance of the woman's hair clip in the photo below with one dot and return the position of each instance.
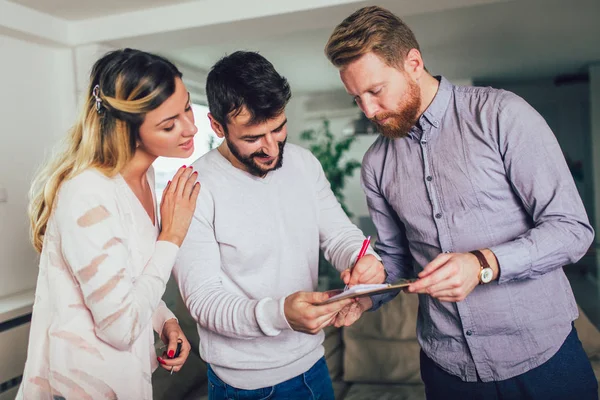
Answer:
(96, 94)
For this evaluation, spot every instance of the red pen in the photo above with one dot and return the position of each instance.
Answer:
(364, 248)
(362, 252)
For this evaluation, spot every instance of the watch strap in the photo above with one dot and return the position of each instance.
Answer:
(482, 262)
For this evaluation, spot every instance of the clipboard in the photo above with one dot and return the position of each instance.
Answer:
(366, 290)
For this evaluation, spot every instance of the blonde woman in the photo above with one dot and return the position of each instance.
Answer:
(104, 260)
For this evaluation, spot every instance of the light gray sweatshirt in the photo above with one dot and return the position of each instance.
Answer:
(252, 242)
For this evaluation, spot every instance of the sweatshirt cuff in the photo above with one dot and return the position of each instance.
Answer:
(514, 261)
(165, 255)
(270, 316)
(161, 315)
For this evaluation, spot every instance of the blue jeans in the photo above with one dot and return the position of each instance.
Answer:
(314, 384)
(566, 375)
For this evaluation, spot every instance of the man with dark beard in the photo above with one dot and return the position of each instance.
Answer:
(469, 191)
(248, 267)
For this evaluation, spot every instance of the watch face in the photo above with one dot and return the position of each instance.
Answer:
(486, 275)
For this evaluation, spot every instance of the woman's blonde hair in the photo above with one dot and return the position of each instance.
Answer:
(370, 29)
(124, 85)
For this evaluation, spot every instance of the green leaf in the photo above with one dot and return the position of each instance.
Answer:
(330, 151)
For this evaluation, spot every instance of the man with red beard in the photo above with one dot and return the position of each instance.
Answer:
(248, 267)
(469, 192)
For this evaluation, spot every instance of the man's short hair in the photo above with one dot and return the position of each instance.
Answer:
(371, 29)
(245, 79)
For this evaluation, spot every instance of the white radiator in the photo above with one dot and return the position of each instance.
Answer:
(15, 317)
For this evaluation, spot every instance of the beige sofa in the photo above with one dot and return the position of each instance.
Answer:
(376, 358)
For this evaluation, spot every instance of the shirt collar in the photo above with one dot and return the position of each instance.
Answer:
(436, 110)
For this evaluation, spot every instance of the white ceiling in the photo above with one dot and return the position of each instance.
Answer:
(502, 41)
(84, 9)
(461, 39)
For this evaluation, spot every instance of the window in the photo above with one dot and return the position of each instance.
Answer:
(204, 141)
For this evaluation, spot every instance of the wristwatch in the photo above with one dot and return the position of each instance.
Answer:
(486, 274)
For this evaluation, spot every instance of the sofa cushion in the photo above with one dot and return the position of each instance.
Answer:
(382, 346)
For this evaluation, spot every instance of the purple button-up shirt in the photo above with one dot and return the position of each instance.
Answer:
(481, 169)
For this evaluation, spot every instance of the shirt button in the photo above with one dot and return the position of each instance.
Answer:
(469, 333)
(423, 141)
(438, 215)
(429, 178)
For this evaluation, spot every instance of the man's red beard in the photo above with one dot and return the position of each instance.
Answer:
(399, 123)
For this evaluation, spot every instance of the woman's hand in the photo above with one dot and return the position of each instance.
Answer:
(178, 205)
(171, 335)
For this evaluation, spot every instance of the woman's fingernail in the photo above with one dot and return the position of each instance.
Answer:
(184, 166)
(160, 360)
(168, 182)
(171, 353)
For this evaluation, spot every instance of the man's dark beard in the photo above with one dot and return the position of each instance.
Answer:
(402, 120)
(250, 162)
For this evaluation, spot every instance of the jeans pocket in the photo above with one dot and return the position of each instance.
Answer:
(317, 382)
(215, 392)
(319, 388)
(217, 389)
(267, 393)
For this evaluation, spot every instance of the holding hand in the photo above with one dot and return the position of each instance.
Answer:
(452, 276)
(304, 316)
(367, 270)
(178, 205)
(352, 312)
(171, 336)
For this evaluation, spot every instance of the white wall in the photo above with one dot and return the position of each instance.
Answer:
(37, 105)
